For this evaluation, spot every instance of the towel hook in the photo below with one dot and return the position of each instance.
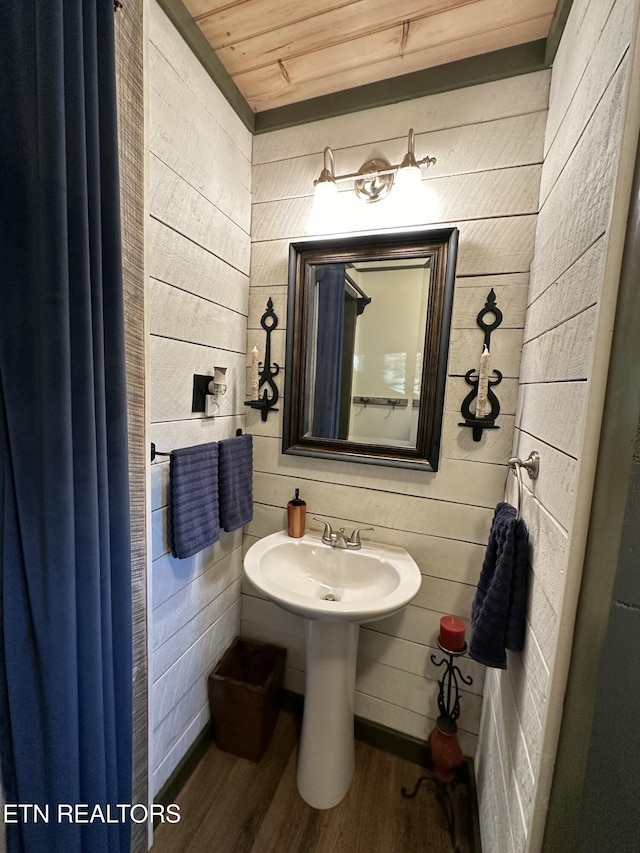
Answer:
(532, 466)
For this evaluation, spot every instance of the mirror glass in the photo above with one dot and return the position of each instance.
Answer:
(367, 339)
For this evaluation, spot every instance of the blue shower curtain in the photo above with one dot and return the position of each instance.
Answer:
(330, 335)
(65, 590)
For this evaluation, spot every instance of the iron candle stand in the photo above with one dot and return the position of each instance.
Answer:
(449, 705)
(447, 768)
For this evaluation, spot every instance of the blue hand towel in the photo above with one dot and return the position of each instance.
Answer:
(498, 614)
(236, 481)
(194, 521)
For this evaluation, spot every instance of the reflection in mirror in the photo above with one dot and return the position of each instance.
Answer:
(367, 342)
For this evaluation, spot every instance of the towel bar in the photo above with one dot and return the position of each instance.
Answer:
(532, 466)
(155, 452)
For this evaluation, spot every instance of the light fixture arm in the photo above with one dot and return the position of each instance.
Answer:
(391, 170)
(409, 159)
(327, 173)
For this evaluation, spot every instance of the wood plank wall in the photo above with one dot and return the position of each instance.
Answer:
(567, 289)
(129, 44)
(198, 260)
(488, 141)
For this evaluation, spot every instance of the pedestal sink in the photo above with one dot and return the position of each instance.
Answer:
(334, 590)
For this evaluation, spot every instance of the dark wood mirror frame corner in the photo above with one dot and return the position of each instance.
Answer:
(440, 247)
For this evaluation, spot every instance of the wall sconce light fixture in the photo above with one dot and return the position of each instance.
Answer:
(207, 389)
(375, 178)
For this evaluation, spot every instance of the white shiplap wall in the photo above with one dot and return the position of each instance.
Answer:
(198, 260)
(573, 286)
(488, 141)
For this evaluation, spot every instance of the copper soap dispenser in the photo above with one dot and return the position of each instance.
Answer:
(296, 516)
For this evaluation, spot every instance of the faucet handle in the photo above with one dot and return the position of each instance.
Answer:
(327, 533)
(354, 541)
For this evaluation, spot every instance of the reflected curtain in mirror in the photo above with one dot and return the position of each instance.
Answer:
(329, 337)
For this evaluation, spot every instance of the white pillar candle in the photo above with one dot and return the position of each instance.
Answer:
(255, 373)
(483, 382)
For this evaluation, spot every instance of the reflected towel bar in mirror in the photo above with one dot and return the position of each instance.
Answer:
(394, 402)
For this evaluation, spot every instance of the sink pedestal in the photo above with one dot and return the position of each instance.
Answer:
(334, 590)
(326, 754)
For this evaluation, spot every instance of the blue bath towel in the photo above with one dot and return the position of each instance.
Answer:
(498, 614)
(194, 520)
(236, 481)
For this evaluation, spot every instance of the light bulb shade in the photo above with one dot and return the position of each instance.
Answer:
(323, 210)
(409, 177)
(325, 188)
(326, 183)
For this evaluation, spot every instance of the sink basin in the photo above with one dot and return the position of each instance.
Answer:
(335, 590)
(315, 581)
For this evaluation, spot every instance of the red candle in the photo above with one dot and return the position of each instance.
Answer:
(452, 633)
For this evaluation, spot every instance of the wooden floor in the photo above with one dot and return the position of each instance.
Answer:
(231, 805)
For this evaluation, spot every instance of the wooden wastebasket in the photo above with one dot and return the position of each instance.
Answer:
(243, 697)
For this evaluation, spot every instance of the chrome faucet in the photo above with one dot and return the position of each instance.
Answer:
(339, 539)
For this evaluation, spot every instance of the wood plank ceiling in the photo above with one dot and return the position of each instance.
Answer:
(280, 52)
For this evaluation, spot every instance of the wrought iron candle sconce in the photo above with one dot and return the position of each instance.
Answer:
(267, 402)
(474, 419)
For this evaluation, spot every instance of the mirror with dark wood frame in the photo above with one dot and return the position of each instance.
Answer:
(368, 324)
